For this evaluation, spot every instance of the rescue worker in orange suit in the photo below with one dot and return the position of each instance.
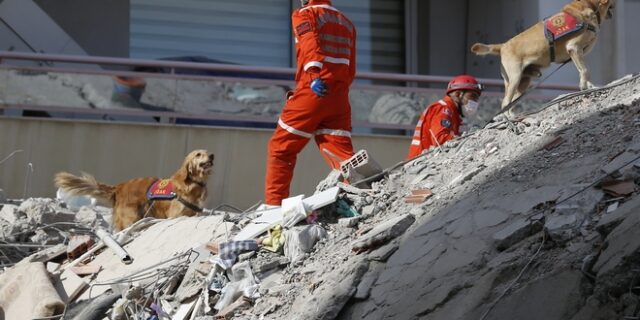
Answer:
(440, 121)
(319, 107)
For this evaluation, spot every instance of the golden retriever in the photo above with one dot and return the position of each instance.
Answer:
(130, 199)
(526, 54)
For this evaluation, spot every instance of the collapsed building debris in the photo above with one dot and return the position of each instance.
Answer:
(507, 222)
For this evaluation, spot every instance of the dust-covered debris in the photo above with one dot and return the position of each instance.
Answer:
(512, 227)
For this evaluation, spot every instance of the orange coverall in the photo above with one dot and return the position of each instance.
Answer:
(439, 122)
(325, 48)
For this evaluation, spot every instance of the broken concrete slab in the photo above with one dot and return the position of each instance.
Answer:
(383, 253)
(609, 221)
(73, 285)
(622, 242)
(562, 227)
(467, 175)
(26, 293)
(536, 301)
(11, 213)
(522, 202)
(621, 162)
(326, 301)
(45, 211)
(515, 232)
(348, 222)
(365, 285)
(170, 238)
(383, 232)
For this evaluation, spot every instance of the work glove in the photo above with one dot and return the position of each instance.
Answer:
(319, 87)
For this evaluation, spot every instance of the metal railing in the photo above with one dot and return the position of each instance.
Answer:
(218, 67)
(239, 73)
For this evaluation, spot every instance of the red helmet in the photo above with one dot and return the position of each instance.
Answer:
(464, 82)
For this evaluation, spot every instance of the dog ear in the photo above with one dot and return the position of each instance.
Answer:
(184, 171)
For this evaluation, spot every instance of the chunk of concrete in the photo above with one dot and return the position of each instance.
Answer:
(621, 162)
(45, 211)
(364, 288)
(11, 214)
(610, 221)
(382, 254)
(622, 242)
(326, 301)
(514, 233)
(348, 222)
(383, 232)
(467, 175)
(562, 227)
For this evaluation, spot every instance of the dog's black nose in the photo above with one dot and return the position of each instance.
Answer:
(211, 157)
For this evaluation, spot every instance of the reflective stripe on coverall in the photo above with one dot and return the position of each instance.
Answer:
(325, 41)
(439, 122)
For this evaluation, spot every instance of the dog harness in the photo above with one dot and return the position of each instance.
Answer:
(561, 25)
(163, 190)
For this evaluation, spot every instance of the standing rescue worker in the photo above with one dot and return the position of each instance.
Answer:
(440, 121)
(319, 108)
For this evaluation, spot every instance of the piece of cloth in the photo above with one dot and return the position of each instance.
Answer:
(27, 293)
(300, 240)
(325, 48)
(230, 250)
(439, 123)
(275, 240)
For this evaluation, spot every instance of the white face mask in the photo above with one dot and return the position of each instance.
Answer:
(470, 108)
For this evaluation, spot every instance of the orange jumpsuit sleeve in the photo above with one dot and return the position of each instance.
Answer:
(308, 42)
(441, 125)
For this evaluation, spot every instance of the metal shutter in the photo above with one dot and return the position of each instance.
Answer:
(247, 32)
(381, 36)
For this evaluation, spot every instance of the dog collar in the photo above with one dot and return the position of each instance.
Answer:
(189, 205)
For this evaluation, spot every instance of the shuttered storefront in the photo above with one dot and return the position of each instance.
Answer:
(258, 32)
(380, 25)
(249, 32)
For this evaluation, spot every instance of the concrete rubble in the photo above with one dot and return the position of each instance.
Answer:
(509, 222)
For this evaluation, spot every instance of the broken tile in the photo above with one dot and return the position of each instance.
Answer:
(553, 143)
(73, 285)
(79, 244)
(618, 188)
(86, 270)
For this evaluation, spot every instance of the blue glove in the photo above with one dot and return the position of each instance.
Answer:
(319, 87)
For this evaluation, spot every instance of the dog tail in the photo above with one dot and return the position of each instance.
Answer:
(482, 49)
(85, 185)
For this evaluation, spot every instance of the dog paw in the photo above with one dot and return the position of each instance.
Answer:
(587, 85)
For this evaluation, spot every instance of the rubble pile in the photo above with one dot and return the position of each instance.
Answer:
(533, 218)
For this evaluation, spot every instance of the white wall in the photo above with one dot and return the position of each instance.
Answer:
(116, 152)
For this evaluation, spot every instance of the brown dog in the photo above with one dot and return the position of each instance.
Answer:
(526, 54)
(183, 194)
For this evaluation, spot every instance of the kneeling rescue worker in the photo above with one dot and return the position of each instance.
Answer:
(440, 121)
